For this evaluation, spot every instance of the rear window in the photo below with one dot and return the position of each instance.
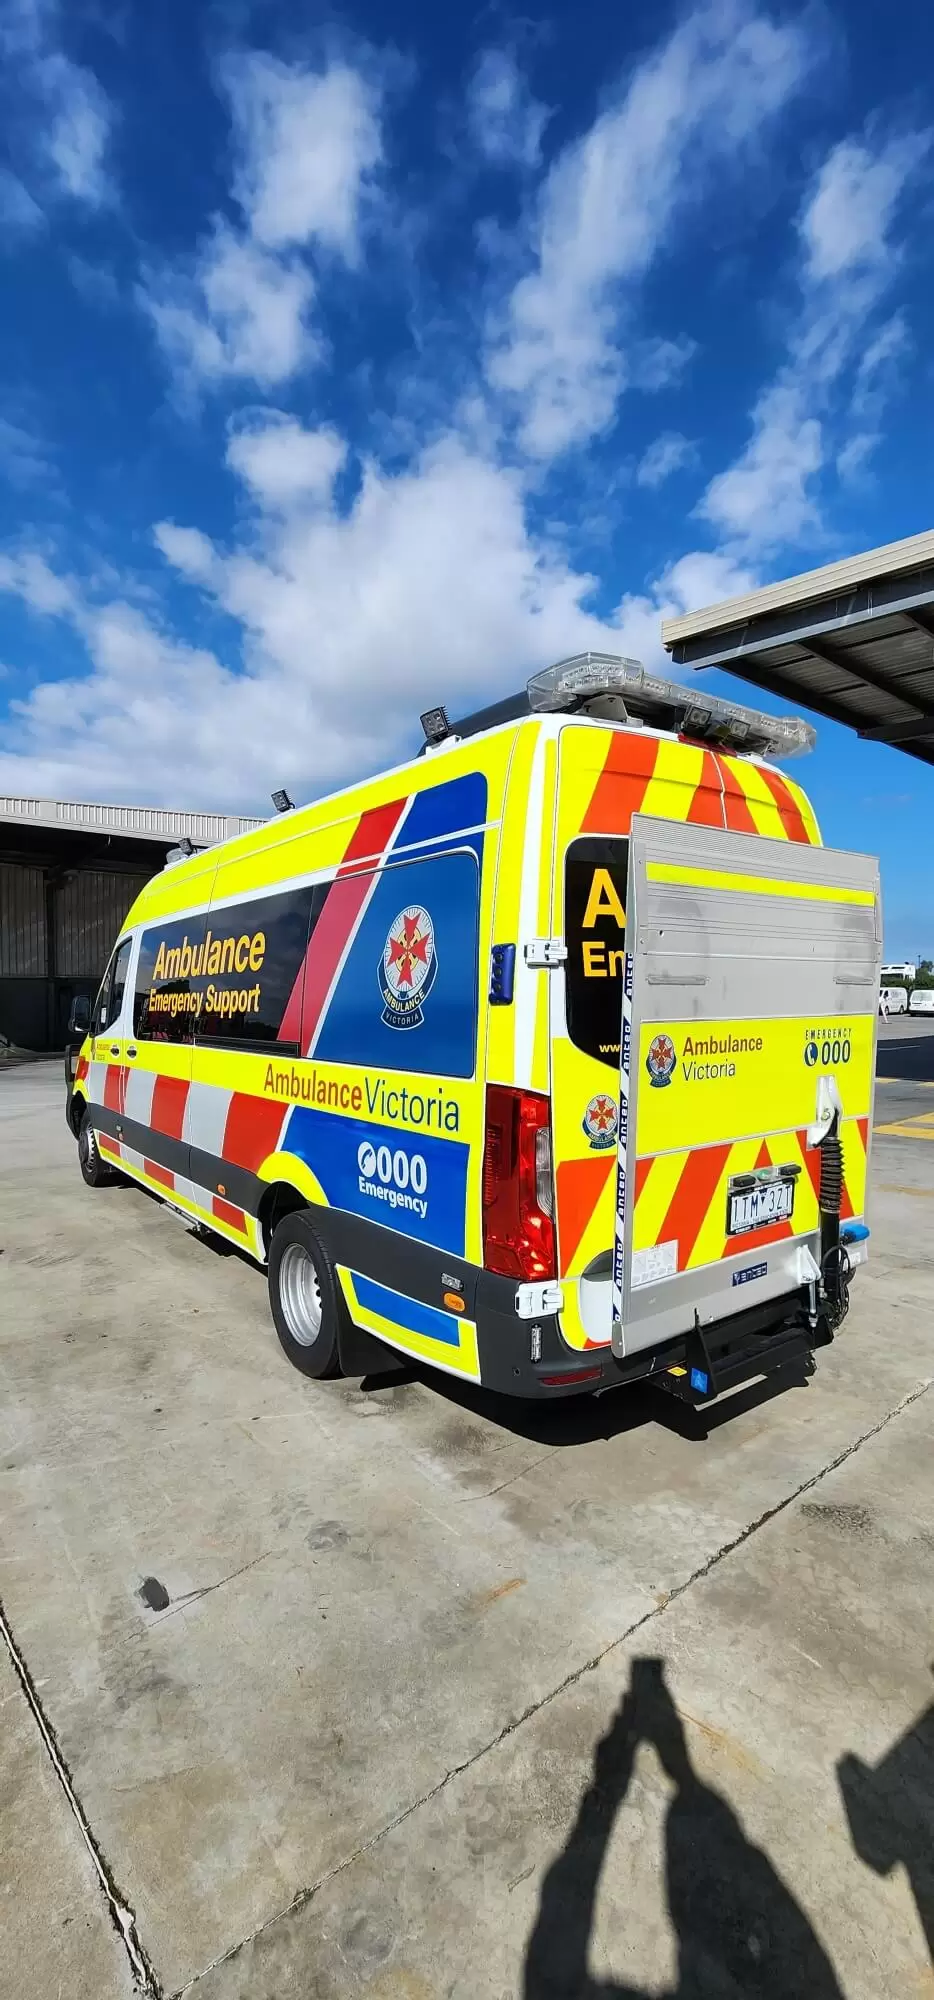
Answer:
(595, 872)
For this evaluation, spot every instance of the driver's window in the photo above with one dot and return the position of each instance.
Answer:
(110, 998)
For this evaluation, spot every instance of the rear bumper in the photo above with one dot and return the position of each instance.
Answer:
(749, 1344)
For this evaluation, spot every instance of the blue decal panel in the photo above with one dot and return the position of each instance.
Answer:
(407, 994)
(448, 808)
(409, 1181)
(406, 1313)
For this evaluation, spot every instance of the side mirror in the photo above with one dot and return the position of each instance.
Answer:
(79, 1020)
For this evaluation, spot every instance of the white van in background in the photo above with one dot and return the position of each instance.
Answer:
(922, 1000)
(893, 1000)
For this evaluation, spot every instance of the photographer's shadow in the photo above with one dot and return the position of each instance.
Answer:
(740, 1933)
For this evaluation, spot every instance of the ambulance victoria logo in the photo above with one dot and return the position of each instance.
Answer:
(600, 1121)
(661, 1061)
(408, 967)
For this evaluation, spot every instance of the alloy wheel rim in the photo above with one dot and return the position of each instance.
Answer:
(300, 1294)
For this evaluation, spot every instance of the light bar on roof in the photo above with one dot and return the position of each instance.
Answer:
(573, 683)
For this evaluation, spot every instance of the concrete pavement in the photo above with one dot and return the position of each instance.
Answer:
(330, 1664)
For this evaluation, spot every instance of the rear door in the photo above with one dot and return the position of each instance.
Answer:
(751, 980)
(605, 775)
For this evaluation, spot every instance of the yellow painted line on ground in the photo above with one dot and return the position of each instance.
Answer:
(754, 885)
(918, 1128)
(914, 1082)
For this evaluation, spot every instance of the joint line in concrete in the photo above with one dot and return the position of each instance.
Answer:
(121, 1915)
(305, 1896)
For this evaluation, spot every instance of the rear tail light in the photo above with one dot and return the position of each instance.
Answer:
(518, 1185)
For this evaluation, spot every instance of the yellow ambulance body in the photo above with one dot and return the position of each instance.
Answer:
(377, 1043)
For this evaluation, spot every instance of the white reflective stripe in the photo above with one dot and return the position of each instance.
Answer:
(206, 1118)
(97, 1076)
(527, 980)
(140, 1085)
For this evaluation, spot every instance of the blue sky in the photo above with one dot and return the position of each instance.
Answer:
(352, 361)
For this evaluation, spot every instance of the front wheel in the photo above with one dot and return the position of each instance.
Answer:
(305, 1297)
(95, 1172)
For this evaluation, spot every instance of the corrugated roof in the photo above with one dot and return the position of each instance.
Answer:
(853, 641)
(135, 822)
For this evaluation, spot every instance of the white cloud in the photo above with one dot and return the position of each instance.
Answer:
(504, 120)
(187, 549)
(237, 312)
(305, 146)
(96, 283)
(282, 463)
(666, 454)
(766, 497)
(770, 495)
(20, 215)
(24, 459)
(847, 221)
(854, 457)
(79, 130)
(879, 365)
(657, 363)
(308, 142)
(608, 206)
(31, 578)
(59, 111)
(431, 585)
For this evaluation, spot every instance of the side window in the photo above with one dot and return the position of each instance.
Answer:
(253, 973)
(406, 998)
(595, 874)
(165, 1000)
(110, 998)
(230, 976)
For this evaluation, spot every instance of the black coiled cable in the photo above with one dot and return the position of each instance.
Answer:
(831, 1174)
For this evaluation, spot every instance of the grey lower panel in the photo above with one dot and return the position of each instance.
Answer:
(659, 1312)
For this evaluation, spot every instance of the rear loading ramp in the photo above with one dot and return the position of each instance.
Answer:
(749, 1016)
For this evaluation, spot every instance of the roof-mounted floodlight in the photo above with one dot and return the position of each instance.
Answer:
(435, 725)
(282, 802)
(182, 852)
(591, 682)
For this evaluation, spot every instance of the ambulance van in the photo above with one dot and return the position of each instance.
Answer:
(546, 1059)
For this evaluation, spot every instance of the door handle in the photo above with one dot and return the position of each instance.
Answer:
(115, 1048)
(131, 1052)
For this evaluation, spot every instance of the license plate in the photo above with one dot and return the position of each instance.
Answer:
(757, 1207)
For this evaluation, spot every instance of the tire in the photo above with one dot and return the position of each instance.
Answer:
(95, 1172)
(305, 1297)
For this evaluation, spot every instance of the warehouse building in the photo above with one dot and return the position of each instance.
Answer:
(68, 874)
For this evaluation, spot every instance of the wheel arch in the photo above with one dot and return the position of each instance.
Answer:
(77, 1106)
(291, 1185)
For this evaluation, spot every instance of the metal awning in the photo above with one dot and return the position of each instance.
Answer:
(853, 641)
(124, 822)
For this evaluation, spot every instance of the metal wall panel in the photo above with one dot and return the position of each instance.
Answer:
(23, 949)
(89, 910)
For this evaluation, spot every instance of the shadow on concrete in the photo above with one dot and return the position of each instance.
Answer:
(890, 1807)
(740, 1933)
(908, 1061)
(576, 1420)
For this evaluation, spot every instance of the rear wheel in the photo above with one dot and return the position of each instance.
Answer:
(95, 1172)
(305, 1297)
